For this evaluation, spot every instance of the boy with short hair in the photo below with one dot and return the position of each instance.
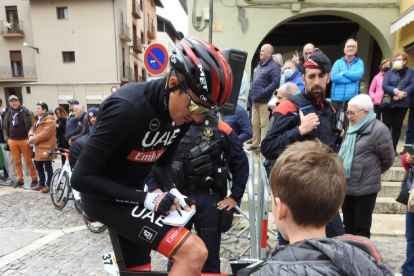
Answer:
(308, 188)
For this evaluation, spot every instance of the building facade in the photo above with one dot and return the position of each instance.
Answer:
(289, 25)
(75, 49)
(403, 27)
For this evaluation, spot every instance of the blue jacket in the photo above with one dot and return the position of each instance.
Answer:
(296, 78)
(266, 80)
(348, 83)
(406, 84)
(240, 123)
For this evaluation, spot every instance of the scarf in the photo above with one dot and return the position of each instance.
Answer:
(347, 152)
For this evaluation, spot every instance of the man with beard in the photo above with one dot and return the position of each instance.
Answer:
(306, 116)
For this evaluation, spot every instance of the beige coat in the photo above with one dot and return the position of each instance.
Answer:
(44, 137)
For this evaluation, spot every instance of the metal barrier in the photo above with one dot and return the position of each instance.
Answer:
(258, 213)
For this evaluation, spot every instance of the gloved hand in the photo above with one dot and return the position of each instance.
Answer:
(159, 202)
(180, 197)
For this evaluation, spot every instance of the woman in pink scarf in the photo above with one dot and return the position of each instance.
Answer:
(375, 90)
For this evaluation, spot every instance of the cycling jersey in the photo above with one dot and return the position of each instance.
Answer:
(133, 132)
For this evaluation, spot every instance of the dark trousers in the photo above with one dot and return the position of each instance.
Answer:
(410, 131)
(41, 167)
(377, 111)
(408, 266)
(207, 216)
(357, 211)
(393, 118)
(333, 229)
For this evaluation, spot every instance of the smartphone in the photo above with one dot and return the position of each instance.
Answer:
(409, 148)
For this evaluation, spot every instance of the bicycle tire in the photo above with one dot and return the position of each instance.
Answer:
(58, 190)
(78, 206)
(94, 226)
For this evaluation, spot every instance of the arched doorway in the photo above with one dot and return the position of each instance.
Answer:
(328, 33)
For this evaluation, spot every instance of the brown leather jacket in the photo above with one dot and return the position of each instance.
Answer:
(44, 137)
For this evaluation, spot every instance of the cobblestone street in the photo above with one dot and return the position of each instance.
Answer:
(36, 239)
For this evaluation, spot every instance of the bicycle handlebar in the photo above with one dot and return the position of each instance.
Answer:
(62, 149)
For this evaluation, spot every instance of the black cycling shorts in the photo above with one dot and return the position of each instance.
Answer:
(142, 227)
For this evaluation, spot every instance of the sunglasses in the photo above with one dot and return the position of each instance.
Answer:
(195, 108)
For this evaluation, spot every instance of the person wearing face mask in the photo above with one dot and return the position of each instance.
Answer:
(399, 84)
(293, 75)
(375, 90)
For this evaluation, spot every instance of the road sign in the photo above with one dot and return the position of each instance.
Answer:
(114, 89)
(156, 59)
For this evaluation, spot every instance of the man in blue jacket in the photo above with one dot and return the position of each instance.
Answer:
(345, 76)
(266, 79)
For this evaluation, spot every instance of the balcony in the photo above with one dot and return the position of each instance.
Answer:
(11, 29)
(137, 47)
(124, 33)
(127, 74)
(19, 74)
(136, 10)
(151, 31)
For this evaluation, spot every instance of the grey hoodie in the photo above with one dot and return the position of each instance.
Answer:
(345, 255)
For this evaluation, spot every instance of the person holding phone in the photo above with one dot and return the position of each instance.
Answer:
(308, 50)
(306, 116)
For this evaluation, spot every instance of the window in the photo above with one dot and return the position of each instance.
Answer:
(136, 72)
(16, 63)
(142, 38)
(68, 56)
(28, 91)
(140, 4)
(62, 13)
(144, 75)
(12, 18)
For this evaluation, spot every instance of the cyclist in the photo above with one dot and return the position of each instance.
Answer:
(138, 129)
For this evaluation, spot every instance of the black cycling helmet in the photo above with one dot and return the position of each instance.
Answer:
(206, 71)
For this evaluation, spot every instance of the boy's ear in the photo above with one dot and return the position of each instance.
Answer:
(282, 208)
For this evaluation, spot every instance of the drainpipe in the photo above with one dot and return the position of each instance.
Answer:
(116, 42)
(210, 23)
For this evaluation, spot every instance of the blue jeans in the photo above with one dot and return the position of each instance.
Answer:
(410, 131)
(408, 266)
(41, 167)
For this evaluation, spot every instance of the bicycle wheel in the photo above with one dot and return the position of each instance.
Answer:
(94, 226)
(59, 190)
(78, 205)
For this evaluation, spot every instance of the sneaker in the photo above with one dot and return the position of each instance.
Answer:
(34, 183)
(18, 184)
(9, 182)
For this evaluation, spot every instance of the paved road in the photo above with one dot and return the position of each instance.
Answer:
(38, 240)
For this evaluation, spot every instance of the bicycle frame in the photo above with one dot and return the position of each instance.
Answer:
(66, 168)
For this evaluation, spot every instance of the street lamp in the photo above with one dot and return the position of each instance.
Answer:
(25, 44)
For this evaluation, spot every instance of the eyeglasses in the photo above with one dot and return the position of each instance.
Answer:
(194, 108)
(351, 46)
(351, 113)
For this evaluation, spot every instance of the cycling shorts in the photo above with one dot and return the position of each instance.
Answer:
(144, 229)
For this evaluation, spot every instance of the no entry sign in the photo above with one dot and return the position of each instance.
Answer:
(156, 59)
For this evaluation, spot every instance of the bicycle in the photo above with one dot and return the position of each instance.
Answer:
(61, 192)
(114, 264)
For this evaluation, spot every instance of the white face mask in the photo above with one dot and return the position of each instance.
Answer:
(398, 65)
(288, 73)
